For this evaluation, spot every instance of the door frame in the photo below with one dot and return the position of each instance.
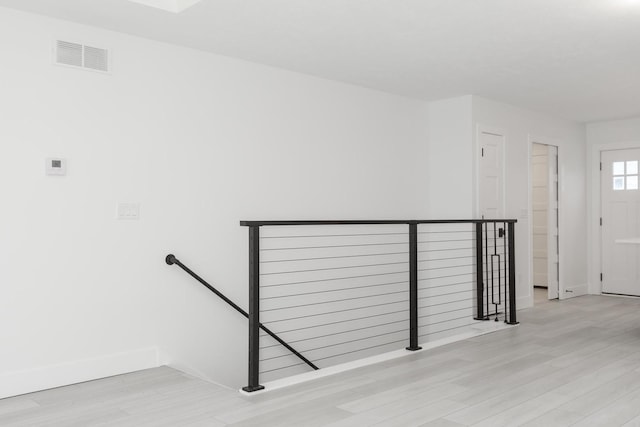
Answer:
(594, 211)
(532, 139)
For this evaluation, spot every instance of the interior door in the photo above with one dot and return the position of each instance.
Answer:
(491, 206)
(540, 217)
(544, 162)
(620, 209)
(491, 175)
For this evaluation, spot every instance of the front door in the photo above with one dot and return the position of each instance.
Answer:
(620, 222)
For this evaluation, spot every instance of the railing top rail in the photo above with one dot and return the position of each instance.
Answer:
(374, 222)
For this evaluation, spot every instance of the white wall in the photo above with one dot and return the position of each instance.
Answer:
(522, 127)
(450, 158)
(609, 135)
(201, 141)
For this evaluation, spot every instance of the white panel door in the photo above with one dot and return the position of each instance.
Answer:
(620, 200)
(491, 175)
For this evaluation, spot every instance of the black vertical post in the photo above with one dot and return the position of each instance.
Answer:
(254, 310)
(512, 274)
(479, 273)
(413, 287)
(486, 263)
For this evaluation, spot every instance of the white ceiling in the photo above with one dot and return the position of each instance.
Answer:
(578, 59)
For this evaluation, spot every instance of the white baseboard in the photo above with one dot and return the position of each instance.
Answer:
(576, 290)
(46, 377)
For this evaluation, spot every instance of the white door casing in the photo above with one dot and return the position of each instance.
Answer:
(620, 216)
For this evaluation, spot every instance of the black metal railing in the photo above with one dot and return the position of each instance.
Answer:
(172, 260)
(423, 273)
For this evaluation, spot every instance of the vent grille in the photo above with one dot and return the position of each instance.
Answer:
(69, 53)
(78, 55)
(96, 58)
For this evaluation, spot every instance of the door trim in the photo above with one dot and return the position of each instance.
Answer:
(594, 210)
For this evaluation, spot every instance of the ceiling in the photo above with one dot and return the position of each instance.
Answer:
(577, 59)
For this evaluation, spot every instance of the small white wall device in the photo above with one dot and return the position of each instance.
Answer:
(56, 166)
(128, 211)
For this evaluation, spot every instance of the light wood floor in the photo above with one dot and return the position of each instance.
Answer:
(575, 362)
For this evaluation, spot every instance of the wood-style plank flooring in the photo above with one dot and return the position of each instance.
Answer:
(575, 362)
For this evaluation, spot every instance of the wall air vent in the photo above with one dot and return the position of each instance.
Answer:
(78, 55)
(69, 53)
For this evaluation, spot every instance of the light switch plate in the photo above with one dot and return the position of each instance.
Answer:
(128, 211)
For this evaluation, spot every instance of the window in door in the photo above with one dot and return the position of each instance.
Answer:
(625, 175)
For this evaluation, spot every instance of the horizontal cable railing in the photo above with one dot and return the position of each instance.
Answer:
(328, 289)
(446, 279)
(344, 290)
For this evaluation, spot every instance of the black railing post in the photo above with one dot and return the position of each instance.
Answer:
(479, 273)
(512, 274)
(413, 287)
(254, 310)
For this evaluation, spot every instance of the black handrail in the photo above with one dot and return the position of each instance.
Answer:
(171, 259)
(370, 222)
